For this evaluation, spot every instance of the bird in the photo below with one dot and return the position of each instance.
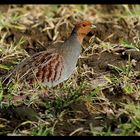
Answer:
(56, 64)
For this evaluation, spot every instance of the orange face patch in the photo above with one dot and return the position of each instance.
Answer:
(86, 23)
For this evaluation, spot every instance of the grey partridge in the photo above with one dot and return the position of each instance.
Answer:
(54, 65)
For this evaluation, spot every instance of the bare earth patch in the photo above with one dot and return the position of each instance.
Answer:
(102, 95)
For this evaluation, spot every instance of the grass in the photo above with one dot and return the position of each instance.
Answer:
(125, 78)
(132, 126)
(1, 91)
(79, 106)
(132, 10)
(42, 131)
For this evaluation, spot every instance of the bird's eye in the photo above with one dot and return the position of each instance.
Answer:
(84, 25)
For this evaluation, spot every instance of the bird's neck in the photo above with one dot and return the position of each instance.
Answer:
(79, 35)
(72, 48)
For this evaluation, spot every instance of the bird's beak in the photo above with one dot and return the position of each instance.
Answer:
(93, 26)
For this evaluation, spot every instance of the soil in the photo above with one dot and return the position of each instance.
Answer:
(78, 114)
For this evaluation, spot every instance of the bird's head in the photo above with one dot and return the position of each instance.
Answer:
(82, 29)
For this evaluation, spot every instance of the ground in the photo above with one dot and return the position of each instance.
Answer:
(102, 95)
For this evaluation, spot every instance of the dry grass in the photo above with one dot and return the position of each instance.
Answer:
(102, 95)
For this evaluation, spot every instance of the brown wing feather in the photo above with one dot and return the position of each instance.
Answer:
(27, 68)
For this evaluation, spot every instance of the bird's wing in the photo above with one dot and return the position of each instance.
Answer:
(33, 66)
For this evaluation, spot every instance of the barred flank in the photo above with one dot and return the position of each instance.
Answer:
(52, 69)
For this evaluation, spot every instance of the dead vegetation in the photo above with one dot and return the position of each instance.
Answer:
(100, 98)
